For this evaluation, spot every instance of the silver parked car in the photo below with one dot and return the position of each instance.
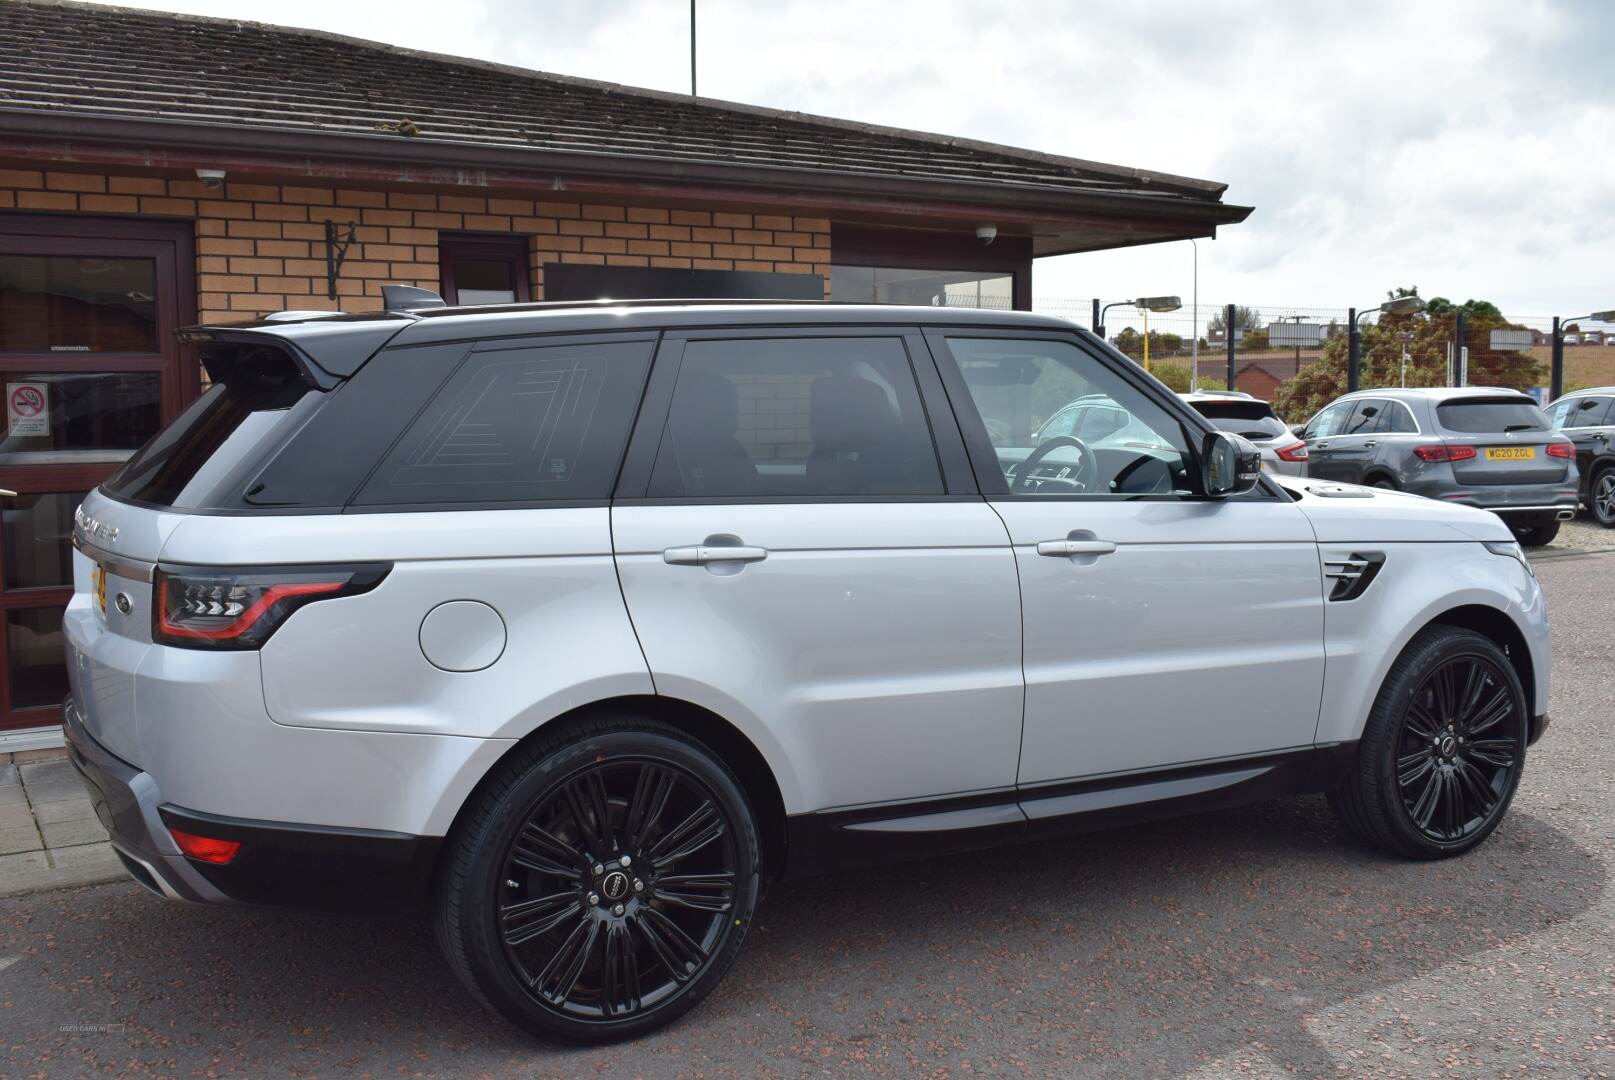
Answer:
(576, 623)
(1473, 445)
(1254, 419)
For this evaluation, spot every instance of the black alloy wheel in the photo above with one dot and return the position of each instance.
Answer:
(1442, 751)
(1460, 748)
(606, 888)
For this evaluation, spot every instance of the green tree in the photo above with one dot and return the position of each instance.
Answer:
(1131, 342)
(1245, 318)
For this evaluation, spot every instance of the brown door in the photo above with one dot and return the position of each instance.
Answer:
(89, 370)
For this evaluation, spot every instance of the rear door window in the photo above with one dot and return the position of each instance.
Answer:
(542, 422)
(1364, 418)
(785, 417)
(1491, 415)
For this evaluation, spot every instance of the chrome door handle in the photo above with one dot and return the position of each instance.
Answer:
(1369, 445)
(704, 554)
(1062, 549)
(1320, 446)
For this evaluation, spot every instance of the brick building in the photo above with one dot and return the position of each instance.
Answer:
(160, 170)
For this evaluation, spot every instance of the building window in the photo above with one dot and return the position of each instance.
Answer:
(482, 269)
(925, 288)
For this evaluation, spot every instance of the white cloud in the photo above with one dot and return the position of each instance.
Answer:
(1463, 145)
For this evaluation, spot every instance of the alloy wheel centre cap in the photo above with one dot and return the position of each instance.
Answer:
(615, 885)
(1449, 746)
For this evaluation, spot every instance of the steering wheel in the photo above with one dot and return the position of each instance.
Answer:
(1087, 474)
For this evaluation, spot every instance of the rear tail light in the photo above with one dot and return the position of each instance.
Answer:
(1445, 453)
(1561, 450)
(206, 849)
(210, 608)
(1293, 452)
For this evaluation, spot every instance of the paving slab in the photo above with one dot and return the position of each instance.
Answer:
(16, 816)
(85, 855)
(9, 775)
(66, 810)
(12, 795)
(65, 834)
(23, 839)
(54, 791)
(22, 862)
(44, 772)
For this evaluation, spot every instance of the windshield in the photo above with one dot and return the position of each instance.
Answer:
(1489, 415)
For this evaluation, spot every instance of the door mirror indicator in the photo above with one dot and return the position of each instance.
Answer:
(1230, 464)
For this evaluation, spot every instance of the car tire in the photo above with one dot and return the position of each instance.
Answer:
(1441, 755)
(1601, 496)
(1384, 482)
(1536, 534)
(674, 883)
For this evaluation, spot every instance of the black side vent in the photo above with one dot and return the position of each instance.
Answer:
(1353, 575)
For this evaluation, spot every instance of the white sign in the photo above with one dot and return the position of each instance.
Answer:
(1511, 340)
(27, 408)
(1303, 334)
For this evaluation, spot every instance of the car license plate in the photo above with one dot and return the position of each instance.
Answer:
(98, 582)
(1510, 453)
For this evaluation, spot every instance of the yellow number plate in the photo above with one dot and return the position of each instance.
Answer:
(1510, 453)
(98, 581)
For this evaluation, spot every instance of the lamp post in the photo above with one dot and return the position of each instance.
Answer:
(1402, 305)
(1556, 370)
(1194, 318)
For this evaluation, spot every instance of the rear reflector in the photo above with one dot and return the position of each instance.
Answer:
(1293, 452)
(1445, 453)
(1561, 450)
(205, 848)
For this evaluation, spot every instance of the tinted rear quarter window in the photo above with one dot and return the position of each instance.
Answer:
(257, 399)
(543, 422)
(1491, 415)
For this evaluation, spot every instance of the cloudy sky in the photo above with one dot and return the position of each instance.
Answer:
(1465, 146)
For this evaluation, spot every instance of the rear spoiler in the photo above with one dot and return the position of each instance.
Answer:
(324, 352)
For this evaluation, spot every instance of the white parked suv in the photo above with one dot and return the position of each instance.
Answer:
(577, 623)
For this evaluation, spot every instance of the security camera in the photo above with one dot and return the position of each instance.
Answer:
(211, 178)
(986, 234)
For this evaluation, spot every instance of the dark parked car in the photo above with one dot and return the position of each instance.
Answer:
(1587, 418)
(1477, 446)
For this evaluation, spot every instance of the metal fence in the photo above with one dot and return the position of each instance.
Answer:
(1274, 343)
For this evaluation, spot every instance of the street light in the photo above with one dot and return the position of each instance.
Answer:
(1147, 303)
(1556, 370)
(1402, 305)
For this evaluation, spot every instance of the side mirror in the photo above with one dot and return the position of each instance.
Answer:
(1229, 464)
(1298, 430)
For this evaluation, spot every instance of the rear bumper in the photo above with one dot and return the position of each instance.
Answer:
(280, 864)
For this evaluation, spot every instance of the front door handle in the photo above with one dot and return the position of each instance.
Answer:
(1320, 446)
(706, 554)
(1369, 445)
(1064, 549)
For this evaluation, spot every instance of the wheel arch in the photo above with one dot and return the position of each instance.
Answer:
(728, 742)
(1380, 472)
(1496, 625)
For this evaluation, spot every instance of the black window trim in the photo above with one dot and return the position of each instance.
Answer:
(633, 482)
(984, 459)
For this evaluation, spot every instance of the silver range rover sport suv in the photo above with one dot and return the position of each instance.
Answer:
(576, 624)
